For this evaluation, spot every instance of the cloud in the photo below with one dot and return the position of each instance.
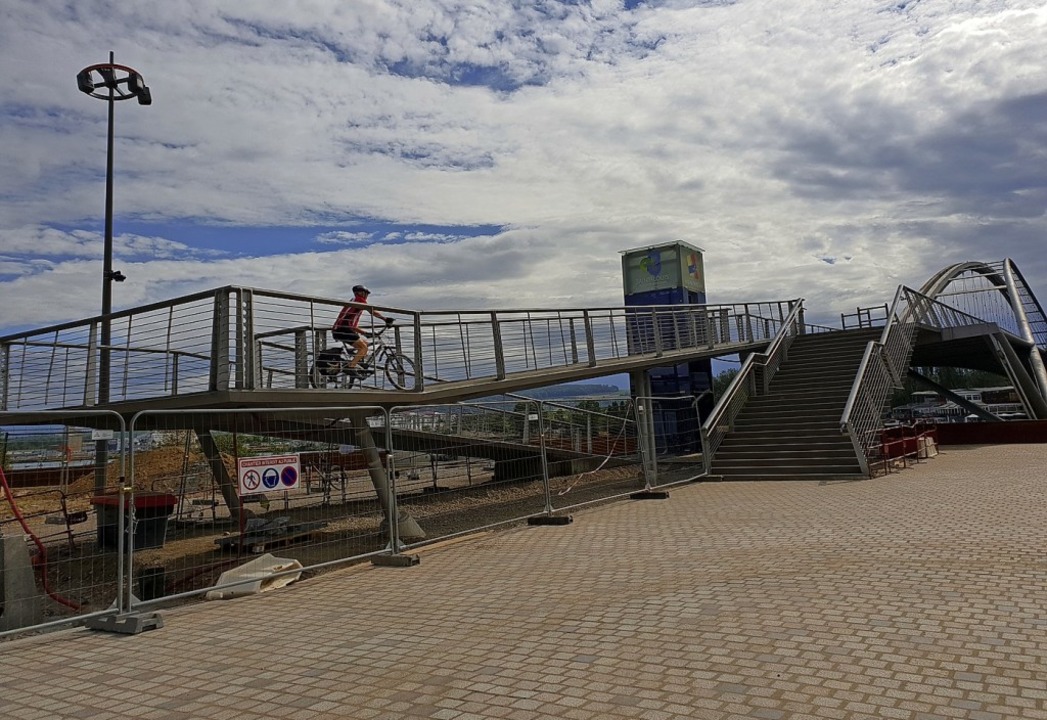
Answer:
(340, 237)
(501, 154)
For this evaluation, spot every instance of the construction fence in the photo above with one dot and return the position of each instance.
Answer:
(104, 516)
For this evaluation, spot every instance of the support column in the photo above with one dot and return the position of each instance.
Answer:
(1039, 372)
(226, 483)
(407, 527)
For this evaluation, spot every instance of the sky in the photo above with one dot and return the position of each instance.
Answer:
(462, 154)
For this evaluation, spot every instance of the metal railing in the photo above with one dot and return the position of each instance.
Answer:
(236, 338)
(865, 317)
(885, 363)
(753, 378)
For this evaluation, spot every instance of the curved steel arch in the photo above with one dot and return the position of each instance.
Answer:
(941, 279)
(1008, 279)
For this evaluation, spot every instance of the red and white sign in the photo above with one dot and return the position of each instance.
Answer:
(268, 474)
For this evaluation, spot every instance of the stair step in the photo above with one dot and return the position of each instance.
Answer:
(798, 402)
(798, 469)
(799, 425)
(785, 460)
(786, 422)
(784, 475)
(806, 439)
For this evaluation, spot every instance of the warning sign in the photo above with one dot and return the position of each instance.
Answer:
(262, 474)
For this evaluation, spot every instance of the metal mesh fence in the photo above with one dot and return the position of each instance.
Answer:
(184, 500)
(59, 558)
(593, 451)
(677, 454)
(462, 467)
(215, 489)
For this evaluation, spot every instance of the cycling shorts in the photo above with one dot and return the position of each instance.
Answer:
(345, 335)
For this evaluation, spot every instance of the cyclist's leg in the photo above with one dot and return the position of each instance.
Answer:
(361, 349)
(348, 339)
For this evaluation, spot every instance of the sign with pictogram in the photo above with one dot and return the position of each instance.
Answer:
(262, 474)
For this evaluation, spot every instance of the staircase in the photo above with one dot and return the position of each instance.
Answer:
(793, 432)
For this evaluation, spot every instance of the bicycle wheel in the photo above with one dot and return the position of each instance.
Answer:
(400, 371)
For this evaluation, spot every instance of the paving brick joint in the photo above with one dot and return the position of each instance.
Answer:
(919, 595)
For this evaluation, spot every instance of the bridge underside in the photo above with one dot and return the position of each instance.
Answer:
(324, 400)
(984, 347)
(968, 347)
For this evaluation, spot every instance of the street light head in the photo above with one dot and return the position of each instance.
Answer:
(115, 276)
(83, 81)
(135, 83)
(109, 81)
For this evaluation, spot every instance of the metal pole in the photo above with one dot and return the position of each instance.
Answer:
(107, 262)
(101, 446)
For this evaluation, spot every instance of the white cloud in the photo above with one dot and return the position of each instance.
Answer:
(891, 137)
(340, 237)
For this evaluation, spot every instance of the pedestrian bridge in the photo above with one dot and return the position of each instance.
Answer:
(238, 347)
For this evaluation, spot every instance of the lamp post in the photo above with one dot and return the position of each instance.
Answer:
(109, 82)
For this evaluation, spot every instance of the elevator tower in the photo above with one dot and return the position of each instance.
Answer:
(672, 274)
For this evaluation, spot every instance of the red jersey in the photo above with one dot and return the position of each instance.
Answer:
(349, 318)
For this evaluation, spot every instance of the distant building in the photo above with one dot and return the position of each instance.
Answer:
(928, 405)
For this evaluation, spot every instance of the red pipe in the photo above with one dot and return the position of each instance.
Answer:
(40, 561)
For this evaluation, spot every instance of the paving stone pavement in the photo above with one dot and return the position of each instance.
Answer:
(918, 595)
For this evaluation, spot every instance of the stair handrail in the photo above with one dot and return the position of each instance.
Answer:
(746, 384)
(885, 363)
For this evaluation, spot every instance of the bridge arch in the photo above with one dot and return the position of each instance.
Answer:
(996, 292)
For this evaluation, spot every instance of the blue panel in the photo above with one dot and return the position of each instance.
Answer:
(673, 296)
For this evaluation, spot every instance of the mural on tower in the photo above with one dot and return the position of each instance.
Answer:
(663, 267)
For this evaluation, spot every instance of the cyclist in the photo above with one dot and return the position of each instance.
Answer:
(347, 327)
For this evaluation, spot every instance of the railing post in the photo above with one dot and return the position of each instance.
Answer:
(657, 333)
(574, 341)
(590, 341)
(248, 370)
(301, 358)
(91, 373)
(499, 351)
(748, 323)
(219, 376)
(419, 379)
(174, 374)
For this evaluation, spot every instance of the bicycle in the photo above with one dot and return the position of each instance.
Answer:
(332, 363)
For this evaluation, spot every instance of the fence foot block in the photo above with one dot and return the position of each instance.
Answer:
(397, 560)
(550, 520)
(650, 495)
(127, 623)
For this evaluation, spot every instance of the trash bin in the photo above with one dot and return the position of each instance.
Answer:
(152, 509)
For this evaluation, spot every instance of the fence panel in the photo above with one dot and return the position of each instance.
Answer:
(217, 489)
(676, 455)
(61, 555)
(466, 466)
(592, 451)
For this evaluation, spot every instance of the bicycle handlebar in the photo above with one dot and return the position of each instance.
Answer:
(373, 333)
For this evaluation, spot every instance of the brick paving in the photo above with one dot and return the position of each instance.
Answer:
(919, 595)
